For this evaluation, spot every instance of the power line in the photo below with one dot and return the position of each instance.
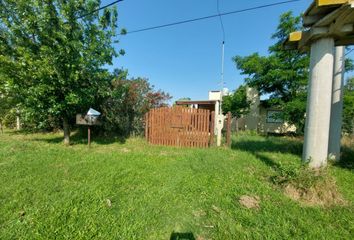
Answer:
(100, 8)
(351, 50)
(210, 16)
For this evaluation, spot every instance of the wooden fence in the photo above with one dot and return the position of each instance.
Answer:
(180, 126)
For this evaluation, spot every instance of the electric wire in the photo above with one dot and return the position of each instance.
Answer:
(210, 16)
(99, 9)
(351, 50)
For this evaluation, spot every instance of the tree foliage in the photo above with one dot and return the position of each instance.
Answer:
(348, 111)
(127, 102)
(237, 102)
(283, 74)
(52, 54)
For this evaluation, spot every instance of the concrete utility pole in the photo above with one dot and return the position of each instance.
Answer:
(319, 102)
(219, 117)
(337, 105)
(328, 23)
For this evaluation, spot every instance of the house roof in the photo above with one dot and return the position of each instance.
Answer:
(93, 112)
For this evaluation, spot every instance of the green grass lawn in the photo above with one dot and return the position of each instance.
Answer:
(131, 190)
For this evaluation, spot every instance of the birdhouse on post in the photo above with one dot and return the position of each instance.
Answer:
(92, 116)
(329, 26)
(90, 119)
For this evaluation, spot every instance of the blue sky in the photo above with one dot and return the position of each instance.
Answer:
(185, 60)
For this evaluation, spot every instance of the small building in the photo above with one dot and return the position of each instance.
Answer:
(213, 104)
(262, 117)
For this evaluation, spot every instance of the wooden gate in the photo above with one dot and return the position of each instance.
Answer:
(180, 126)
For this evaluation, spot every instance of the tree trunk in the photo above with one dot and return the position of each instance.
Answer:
(66, 129)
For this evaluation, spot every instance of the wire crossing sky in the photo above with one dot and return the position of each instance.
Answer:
(210, 16)
(101, 8)
(184, 60)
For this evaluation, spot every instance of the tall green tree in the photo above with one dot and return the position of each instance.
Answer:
(127, 102)
(237, 102)
(282, 75)
(348, 111)
(53, 52)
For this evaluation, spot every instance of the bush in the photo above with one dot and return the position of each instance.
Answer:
(127, 102)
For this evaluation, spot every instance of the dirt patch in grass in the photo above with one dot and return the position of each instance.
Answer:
(348, 141)
(315, 197)
(311, 187)
(199, 213)
(321, 192)
(249, 202)
(125, 150)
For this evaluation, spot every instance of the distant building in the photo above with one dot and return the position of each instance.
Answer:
(262, 117)
(213, 104)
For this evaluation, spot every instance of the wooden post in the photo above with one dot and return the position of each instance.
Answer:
(89, 136)
(147, 126)
(212, 128)
(228, 130)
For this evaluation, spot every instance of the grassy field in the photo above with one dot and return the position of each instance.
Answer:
(127, 189)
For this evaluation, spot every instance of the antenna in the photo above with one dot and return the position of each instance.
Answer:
(222, 65)
(222, 83)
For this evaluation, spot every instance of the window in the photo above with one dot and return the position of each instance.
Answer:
(274, 116)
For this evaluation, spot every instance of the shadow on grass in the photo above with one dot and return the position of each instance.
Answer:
(14, 132)
(79, 137)
(347, 159)
(182, 236)
(268, 161)
(285, 145)
(269, 144)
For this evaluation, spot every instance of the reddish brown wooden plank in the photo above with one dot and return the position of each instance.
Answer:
(179, 126)
(200, 128)
(212, 126)
(152, 125)
(206, 133)
(195, 130)
(204, 123)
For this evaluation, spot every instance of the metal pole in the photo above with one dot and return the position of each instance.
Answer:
(219, 117)
(222, 66)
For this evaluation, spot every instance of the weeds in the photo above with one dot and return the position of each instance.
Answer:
(308, 186)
